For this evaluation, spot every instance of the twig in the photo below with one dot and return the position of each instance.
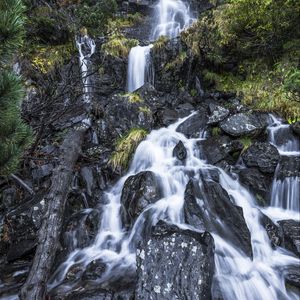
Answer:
(22, 183)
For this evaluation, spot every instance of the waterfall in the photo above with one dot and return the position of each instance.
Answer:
(173, 16)
(285, 192)
(140, 69)
(86, 48)
(238, 276)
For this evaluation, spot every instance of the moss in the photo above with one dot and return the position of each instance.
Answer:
(133, 97)
(215, 131)
(177, 62)
(125, 148)
(44, 58)
(246, 142)
(145, 109)
(160, 43)
(119, 46)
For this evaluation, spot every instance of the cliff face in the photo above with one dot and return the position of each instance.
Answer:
(234, 140)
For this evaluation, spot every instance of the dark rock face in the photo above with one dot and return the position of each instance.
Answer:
(291, 235)
(258, 183)
(138, 192)
(218, 114)
(219, 148)
(243, 124)
(165, 117)
(175, 264)
(81, 229)
(94, 270)
(296, 128)
(273, 231)
(289, 166)
(292, 277)
(179, 151)
(20, 229)
(209, 208)
(193, 126)
(264, 156)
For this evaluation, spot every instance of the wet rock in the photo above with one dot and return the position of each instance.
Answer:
(257, 183)
(88, 178)
(138, 192)
(292, 277)
(243, 124)
(208, 207)
(184, 109)
(289, 166)
(166, 117)
(94, 270)
(273, 231)
(219, 148)
(194, 125)
(81, 230)
(218, 114)
(167, 250)
(264, 156)
(179, 151)
(8, 198)
(291, 235)
(296, 128)
(21, 226)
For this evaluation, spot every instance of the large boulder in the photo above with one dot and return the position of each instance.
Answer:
(218, 114)
(289, 166)
(243, 124)
(208, 207)
(138, 192)
(175, 264)
(219, 148)
(263, 156)
(291, 235)
(194, 125)
(257, 183)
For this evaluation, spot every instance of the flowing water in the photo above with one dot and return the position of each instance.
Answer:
(86, 47)
(172, 16)
(140, 69)
(285, 192)
(236, 275)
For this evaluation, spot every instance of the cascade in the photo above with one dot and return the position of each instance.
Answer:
(86, 48)
(236, 275)
(285, 192)
(140, 69)
(172, 16)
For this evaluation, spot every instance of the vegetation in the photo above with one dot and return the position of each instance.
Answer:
(125, 148)
(133, 97)
(252, 46)
(14, 134)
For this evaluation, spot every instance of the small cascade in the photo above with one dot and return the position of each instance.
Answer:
(140, 68)
(237, 276)
(86, 47)
(173, 16)
(285, 191)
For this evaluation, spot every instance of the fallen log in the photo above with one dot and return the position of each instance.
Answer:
(35, 287)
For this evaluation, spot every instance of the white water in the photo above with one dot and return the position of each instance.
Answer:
(173, 17)
(239, 277)
(285, 192)
(86, 47)
(140, 68)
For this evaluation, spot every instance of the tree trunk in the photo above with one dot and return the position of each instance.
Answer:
(35, 286)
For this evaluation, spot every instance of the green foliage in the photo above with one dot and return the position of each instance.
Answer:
(246, 142)
(292, 83)
(133, 97)
(14, 134)
(215, 131)
(125, 148)
(11, 27)
(95, 16)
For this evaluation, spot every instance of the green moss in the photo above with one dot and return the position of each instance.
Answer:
(215, 131)
(177, 62)
(125, 148)
(160, 43)
(133, 97)
(119, 46)
(145, 109)
(246, 142)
